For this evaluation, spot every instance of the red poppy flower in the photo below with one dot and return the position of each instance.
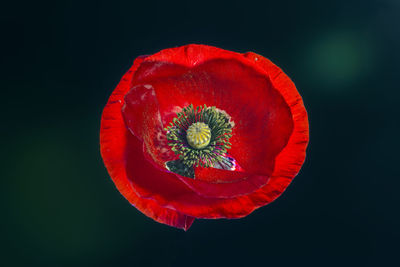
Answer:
(200, 132)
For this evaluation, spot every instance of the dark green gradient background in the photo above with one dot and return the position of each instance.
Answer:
(61, 60)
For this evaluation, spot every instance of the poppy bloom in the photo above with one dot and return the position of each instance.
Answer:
(200, 132)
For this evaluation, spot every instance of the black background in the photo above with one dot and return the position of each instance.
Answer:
(60, 62)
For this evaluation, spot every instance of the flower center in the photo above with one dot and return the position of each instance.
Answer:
(198, 135)
(201, 138)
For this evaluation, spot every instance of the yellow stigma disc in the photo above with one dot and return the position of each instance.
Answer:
(198, 135)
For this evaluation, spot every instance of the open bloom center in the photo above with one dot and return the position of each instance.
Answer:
(198, 135)
(201, 138)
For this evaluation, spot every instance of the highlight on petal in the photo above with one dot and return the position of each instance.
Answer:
(112, 148)
(266, 148)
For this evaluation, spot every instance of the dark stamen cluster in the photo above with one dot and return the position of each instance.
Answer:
(213, 154)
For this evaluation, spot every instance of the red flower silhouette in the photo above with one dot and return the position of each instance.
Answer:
(253, 129)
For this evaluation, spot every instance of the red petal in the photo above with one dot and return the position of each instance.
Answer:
(288, 163)
(112, 149)
(290, 160)
(142, 117)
